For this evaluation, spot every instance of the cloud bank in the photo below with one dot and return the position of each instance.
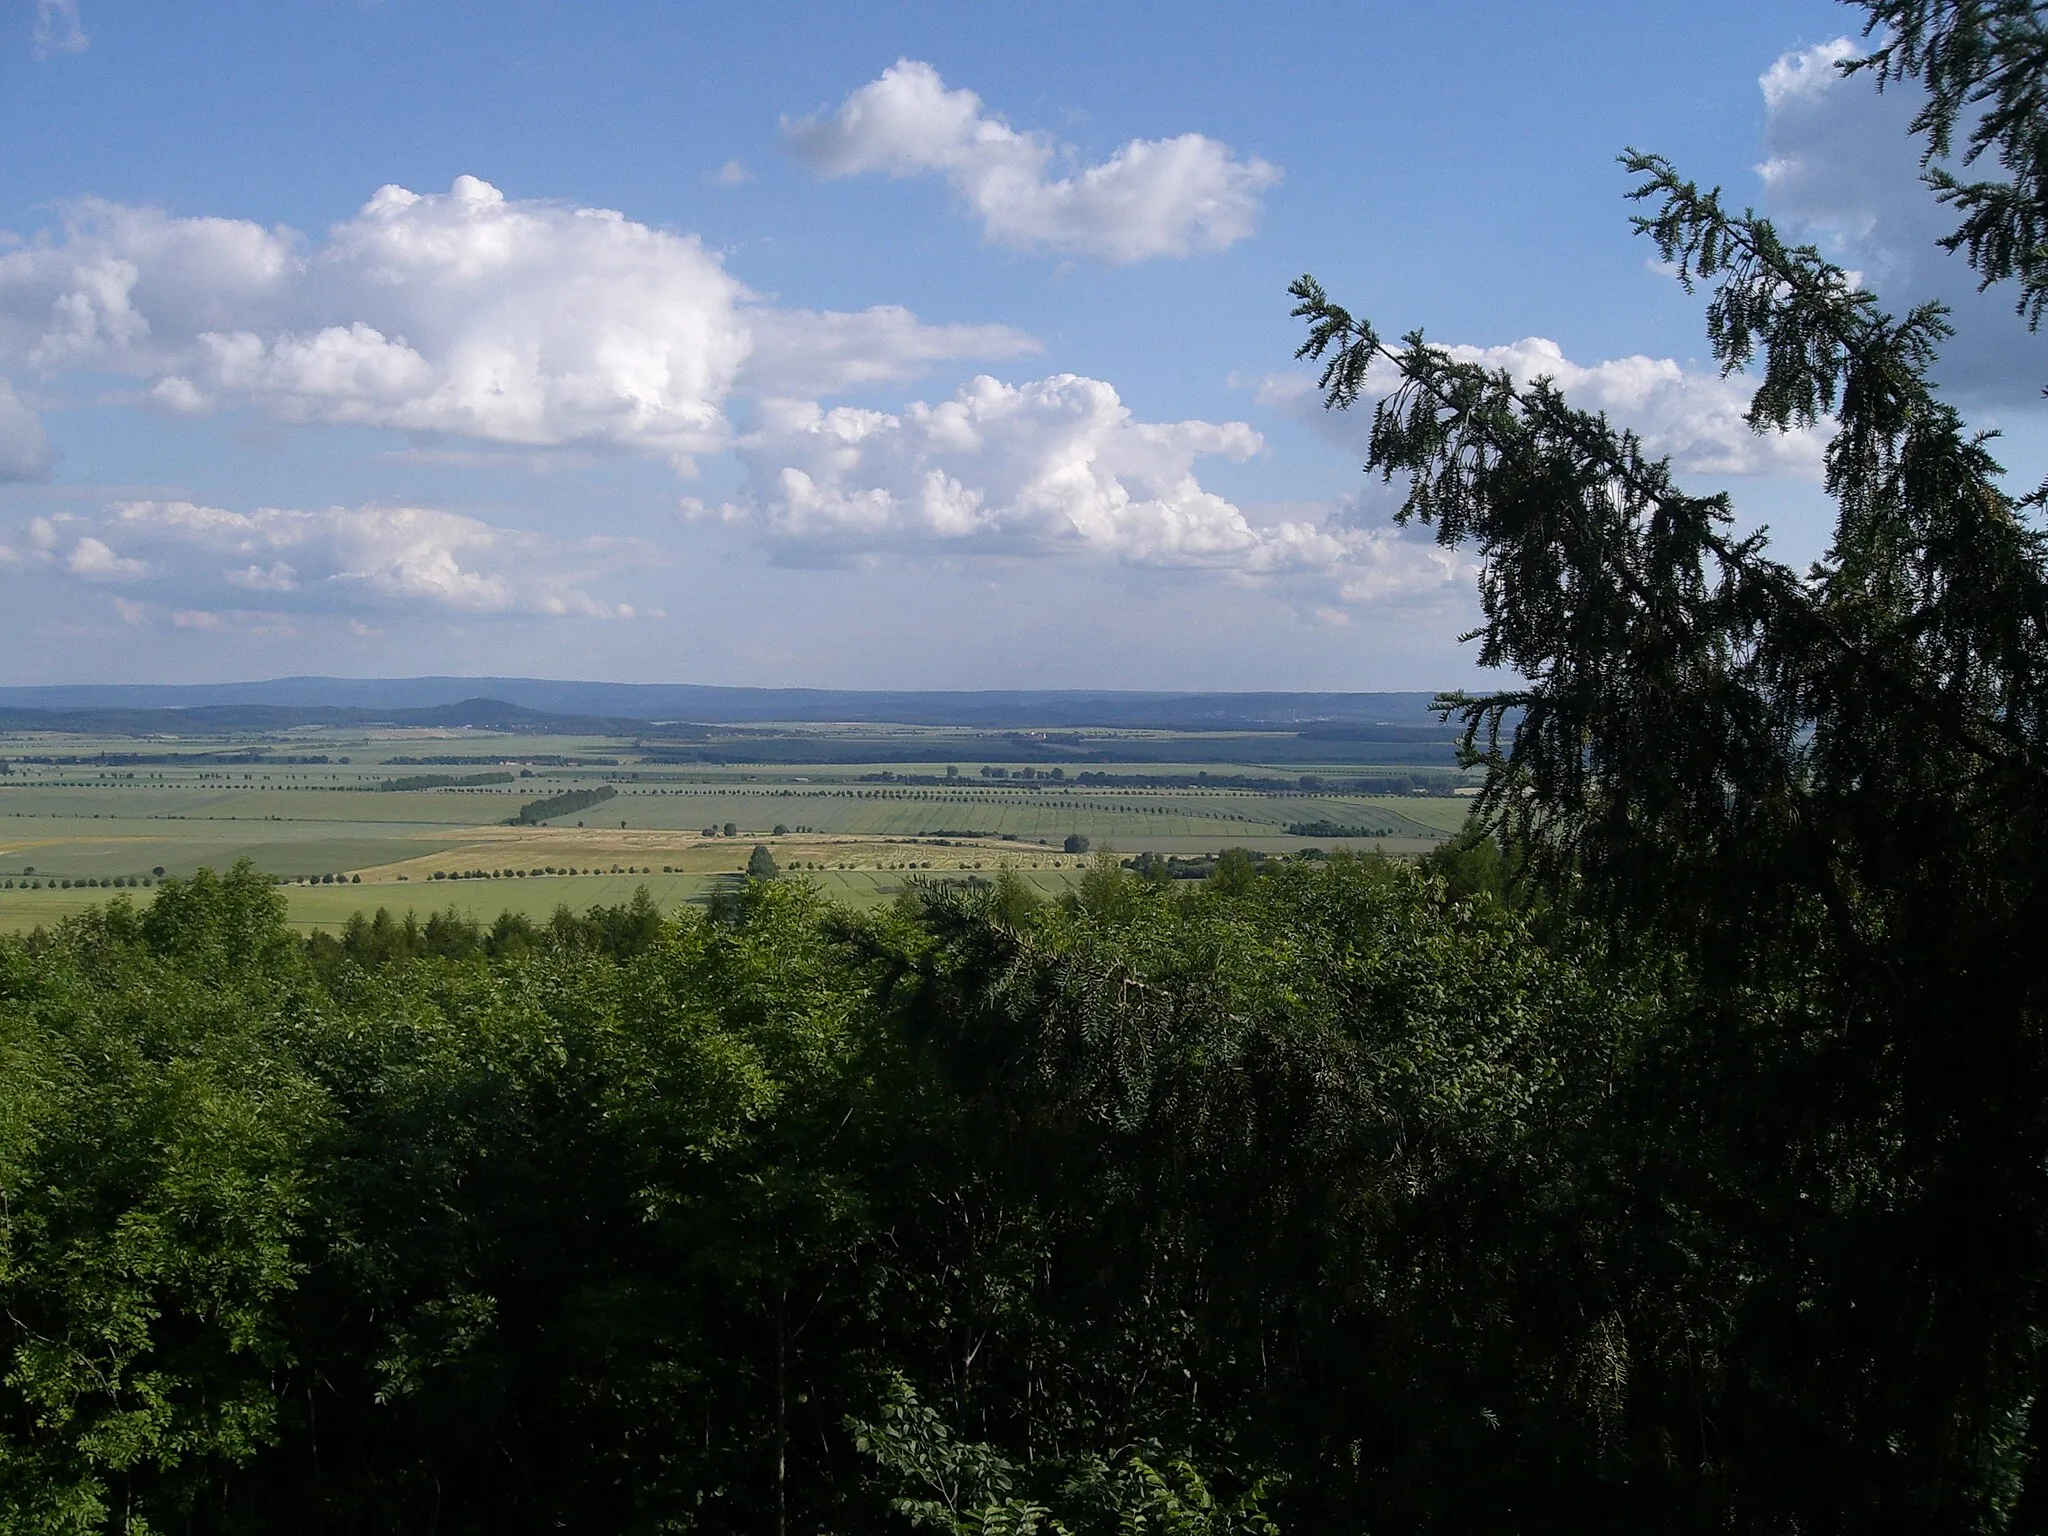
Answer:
(462, 313)
(1058, 465)
(191, 558)
(1060, 461)
(520, 326)
(1151, 198)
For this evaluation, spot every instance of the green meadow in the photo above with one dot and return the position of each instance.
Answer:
(81, 814)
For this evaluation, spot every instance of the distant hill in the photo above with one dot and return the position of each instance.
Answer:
(524, 703)
(224, 719)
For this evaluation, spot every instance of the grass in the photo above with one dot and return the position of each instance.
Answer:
(329, 907)
(84, 819)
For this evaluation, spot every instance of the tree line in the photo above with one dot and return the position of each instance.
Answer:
(567, 803)
(414, 781)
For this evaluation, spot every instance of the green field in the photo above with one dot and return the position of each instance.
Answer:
(330, 907)
(76, 809)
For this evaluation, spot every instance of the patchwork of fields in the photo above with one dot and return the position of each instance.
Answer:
(79, 816)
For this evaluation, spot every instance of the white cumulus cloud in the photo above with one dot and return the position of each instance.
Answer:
(1392, 564)
(462, 313)
(96, 560)
(278, 576)
(1058, 464)
(466, 313)
(132, 288)
(1058, 461)
(1693, 416)
(1152, 197)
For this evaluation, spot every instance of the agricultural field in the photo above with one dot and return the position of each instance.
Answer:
(352, 819)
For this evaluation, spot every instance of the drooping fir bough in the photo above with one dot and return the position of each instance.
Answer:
(1818, 798)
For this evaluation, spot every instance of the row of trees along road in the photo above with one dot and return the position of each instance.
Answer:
(1670, 1154)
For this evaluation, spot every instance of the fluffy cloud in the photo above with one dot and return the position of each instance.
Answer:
(1152, 197)
(1841, 169)
(24, 449)
(1384, 565)
(1059, 461)
(1037, 468)
(1692, 416)
(461, 313)
(132, 289)
(336, 558)
(94, 560)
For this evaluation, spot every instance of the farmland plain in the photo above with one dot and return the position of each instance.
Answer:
(84, 815)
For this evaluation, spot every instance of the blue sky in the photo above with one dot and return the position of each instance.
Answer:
(865, 346)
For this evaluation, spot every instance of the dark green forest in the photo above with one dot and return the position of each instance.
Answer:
(1667, 1154)
(632, 1222)
(566, 803)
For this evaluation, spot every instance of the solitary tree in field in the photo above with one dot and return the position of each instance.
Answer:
(1816, 797)
(761, 864)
